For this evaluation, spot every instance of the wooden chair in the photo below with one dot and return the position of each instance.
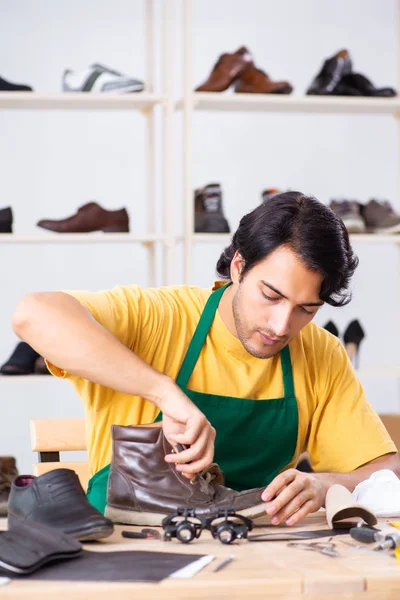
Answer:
(49, 437)
(392, 424)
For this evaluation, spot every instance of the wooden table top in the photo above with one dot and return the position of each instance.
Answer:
(259, 570)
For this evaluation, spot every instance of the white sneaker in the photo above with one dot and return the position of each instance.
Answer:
(98, 78)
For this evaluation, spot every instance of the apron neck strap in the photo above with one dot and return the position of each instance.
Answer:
(287, 374)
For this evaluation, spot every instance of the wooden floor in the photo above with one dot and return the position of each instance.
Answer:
(259, 570)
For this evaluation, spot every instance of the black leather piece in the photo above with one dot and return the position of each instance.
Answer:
(56, 499)
(28, 546)
(21, 362)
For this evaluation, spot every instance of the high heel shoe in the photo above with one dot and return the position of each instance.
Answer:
(352, 337)
(331, 327)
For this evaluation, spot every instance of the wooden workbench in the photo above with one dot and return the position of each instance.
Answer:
(260, 570)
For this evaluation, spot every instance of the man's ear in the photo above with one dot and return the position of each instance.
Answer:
(237, 266)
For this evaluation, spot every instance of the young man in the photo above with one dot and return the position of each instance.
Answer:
(241, 365)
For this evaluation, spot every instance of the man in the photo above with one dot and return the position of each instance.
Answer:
(243, 366)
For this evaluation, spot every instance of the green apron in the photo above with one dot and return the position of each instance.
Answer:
(255, 438)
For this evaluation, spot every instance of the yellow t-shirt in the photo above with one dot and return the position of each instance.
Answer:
(337, 425)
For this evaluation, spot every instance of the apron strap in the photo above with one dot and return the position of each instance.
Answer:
(199, 337)
(286, 364)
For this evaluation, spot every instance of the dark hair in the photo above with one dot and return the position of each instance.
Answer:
(311, 229)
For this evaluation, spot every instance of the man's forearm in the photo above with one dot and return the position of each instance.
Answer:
(58, 327)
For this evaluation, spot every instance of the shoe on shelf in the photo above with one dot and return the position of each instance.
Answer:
(356, 84)
(99, 78)
(330, 74)
(226, 70)
(8, 470)
(21, 362)
(6, 220)
(331, 327)
(350, 213)
(352, 337)
(208, 211)
(56, 499)
(256, 81)
(269, 193)
(90, 217)
(380, 217)
(7, 86)
(40, 367)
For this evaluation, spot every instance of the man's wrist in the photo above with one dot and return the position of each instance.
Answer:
(158, 389)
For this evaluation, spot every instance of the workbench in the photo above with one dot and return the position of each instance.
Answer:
(259, 570)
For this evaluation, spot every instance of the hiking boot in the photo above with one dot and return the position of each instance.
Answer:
(143, 488)
(380, 217)
(350, 213)
(56, 499)
(208, 211)
(8, 470)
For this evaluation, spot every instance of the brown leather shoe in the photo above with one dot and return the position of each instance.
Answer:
(143, 488)
(8, 470)
(256, 81)
(226, 70)
(90, 217)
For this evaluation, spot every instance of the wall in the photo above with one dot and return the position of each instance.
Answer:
(53, 162)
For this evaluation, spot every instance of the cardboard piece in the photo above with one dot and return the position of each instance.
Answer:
(342, 511)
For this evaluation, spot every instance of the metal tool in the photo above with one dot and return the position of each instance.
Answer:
(370, 536)
(391, 541)
(328, 549)
(223, 563)
(143, 534)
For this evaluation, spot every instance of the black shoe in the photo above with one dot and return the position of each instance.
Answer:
(56, 499)
(21, 362)
(209, 215)
(352, 337)
(330, 74)
(331, 327)
(356, 84)
(6, 220)
(7, 86)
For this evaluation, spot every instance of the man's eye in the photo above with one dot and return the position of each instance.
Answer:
(306, 311)
(268, 297)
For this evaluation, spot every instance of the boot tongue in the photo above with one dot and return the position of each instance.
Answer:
(209, 477)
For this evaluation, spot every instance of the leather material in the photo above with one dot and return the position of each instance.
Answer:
(256, 81)
(332, 71)
(90, 217)
(356, 84)
(6, 220)
(142, 481)
(226, 70)
(56, 499)
(21, 362)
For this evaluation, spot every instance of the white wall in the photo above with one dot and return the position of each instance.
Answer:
(51, 163)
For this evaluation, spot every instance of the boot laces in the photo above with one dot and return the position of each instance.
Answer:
(206, 477)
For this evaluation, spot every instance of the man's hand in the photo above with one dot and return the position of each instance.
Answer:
(292, 495)
(183, 423)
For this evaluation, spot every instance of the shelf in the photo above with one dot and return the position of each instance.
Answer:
(81, 238)
(28, 378)
(78, 101)
(361, 238)
(222, 101)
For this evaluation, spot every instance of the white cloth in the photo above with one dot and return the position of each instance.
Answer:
(380, 493)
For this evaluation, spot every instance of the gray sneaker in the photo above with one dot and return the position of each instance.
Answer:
(350, 213)
(380, 217)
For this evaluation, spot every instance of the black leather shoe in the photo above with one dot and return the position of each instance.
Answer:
(330, 74)
(331, 327)
(21, 362)
(56, 499)
(356, 84)
(7, 86)
(6, 220)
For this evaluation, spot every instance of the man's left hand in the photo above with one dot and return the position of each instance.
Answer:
(292, 495)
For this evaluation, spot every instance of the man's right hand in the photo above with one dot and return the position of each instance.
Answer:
(183, 423)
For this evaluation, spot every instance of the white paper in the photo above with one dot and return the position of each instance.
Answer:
(4, 580)
(380, 493)
(194, 567)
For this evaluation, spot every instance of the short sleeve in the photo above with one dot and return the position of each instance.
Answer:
(345, 431)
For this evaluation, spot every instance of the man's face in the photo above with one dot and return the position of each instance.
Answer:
(274, 301)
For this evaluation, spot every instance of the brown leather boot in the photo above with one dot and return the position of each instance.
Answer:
(226, 70)
(143, 488)
(256, 81)
(90, 217)
(8, 470)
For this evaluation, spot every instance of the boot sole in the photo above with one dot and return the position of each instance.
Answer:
(83, 535)
(149, 519)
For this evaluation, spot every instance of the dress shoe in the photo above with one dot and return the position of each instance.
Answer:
(356, 84)
(226, 70)
(380, 217)
(208, 211)
(143, 488)
(332, 71)
(40, 367)
(6, 220)
(7, 86)
(21, 362)
(56, 499)
(256, 81)
(350, 213)
(352, 337)
(8, 470)
(90, 217)
(331, 327)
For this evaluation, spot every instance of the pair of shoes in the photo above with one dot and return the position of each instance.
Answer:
(24, 361)
(374, 217)
(238, 68)
(99, 78)
(352, 338)
(8, 470)
(7, 86)
(337, 78)
(90, 217)
(208, 210)
(6, 220)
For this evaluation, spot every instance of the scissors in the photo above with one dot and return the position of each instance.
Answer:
(324, 548)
